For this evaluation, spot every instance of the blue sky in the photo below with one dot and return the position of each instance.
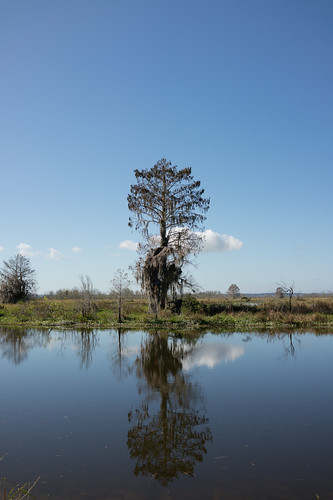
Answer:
(240, 91)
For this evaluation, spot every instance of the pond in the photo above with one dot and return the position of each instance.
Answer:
(137, 415)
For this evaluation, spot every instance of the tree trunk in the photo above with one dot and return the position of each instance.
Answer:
(119, 309)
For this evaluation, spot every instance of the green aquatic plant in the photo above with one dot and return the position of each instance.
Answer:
(15, 491)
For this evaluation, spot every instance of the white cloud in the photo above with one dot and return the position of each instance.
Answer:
(129, 245)
(1, 248)
(212, 241)
(215, 242)
(26, 250)
(54, 254)
(76, 249)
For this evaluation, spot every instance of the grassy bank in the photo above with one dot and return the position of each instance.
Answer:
(264, 313)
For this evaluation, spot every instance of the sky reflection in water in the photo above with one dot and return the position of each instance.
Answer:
(132, 415)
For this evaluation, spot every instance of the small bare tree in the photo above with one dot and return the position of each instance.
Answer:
(86, 293)
(288, 290)
(120, 283)
(279, 293)
(233, 291)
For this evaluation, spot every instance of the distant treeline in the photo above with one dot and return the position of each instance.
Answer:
(76, 293)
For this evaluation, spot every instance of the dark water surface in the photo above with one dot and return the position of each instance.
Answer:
(104, 415)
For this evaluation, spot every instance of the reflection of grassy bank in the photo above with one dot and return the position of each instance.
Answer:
(265, 313)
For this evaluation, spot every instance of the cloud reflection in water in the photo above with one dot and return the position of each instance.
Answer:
(210, 355)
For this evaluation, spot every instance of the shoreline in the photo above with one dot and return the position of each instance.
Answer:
(182, 326)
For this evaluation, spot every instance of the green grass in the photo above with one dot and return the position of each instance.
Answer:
(241, 314)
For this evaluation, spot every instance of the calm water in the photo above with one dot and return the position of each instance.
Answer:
(103, 415)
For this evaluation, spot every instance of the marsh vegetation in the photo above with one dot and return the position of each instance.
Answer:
(263, 313)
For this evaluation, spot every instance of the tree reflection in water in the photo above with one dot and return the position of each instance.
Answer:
(290, 349)
(168, 440)
(87, 342)
(15, 343)
(119, 356)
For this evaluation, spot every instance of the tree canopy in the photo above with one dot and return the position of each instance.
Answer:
(167, 206)
(233, 291)
(17, 279)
